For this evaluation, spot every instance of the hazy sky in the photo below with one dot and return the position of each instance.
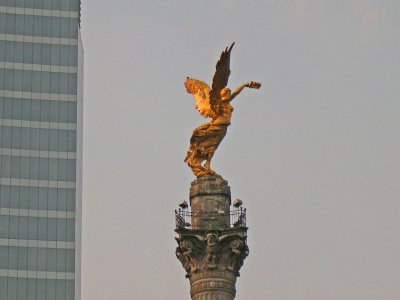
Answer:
(314, 154)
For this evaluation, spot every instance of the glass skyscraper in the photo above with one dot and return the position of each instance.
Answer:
(40, 149)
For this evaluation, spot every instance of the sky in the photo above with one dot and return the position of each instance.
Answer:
(313, 154)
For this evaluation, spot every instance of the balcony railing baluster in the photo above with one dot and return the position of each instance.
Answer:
(183, 218)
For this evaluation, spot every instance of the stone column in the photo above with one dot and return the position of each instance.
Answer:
(213, 247)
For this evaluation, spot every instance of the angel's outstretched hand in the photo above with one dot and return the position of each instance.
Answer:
(254, 85)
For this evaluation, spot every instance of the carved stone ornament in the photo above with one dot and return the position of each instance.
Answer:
(212, 251)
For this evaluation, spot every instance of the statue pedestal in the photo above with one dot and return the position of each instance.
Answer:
(211, 240)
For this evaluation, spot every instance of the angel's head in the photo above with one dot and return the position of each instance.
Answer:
(225, 94)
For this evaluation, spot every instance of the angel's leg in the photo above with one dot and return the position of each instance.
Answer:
(208, 162)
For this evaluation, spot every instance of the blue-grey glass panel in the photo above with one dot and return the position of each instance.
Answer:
(12, 52)
(58, 27)
(8, 79)
(3, 288)
(46, 28)
(27, 81)
(5, 137)
(64, 24)
(61, 200)
(24, 196)
(22, 286)
(5, 166)
(34, 134)
(47, 4)
(15, 166)
(2, 50)
(71, 204)
(33, 198)
(23, 228)
(36, 54)
(41, 259)
(18, 3)
(60, 290)
(16, 138)
(55, 83)
(44, 110)
(28, 25)
(4, 196)
(70, 290)
(22, 257)
(2, 21)
(39, 168)
(41, 289)
(37, 198)
(65, 5)
(12, 288)
(28, 51)
(70, 230)
(40, 139)
(33, 167)
(2, 77)
(60, 260)
(37, 26)
(13, 260)
(43, 198)
(6, 108)
(42, 82)
(55, 27)
(73, 28)
(14, 197)
(4, 226)
(51, 260)
(19, 24)
(10, 22)
(32, 289)
(56, 4)
(42, 228)
(24, 168)
(15, 227)
(72, 5)
(46, 54)
(52, 229)
(38, 110)
(52, 204)
(63, 86)
(61, 228)
(51, 289)
(32, 228)
(55, 54)
(4, 257)
(33, 259)
(71, 147)
(17, 81)
(44, 169)
(70, 260)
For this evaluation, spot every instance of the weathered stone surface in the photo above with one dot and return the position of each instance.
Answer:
(210, 194)
(210, 185)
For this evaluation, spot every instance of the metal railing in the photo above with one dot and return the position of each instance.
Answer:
(185, 219)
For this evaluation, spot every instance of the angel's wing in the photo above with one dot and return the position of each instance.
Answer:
(221, 76)
(201, 93)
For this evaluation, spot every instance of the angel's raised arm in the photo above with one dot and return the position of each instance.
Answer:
(251, 84)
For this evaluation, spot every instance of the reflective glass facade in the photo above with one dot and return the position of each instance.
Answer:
(40, 149)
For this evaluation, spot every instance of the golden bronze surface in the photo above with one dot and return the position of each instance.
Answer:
(212, 103)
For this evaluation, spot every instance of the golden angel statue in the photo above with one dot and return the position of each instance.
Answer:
(214, 103)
